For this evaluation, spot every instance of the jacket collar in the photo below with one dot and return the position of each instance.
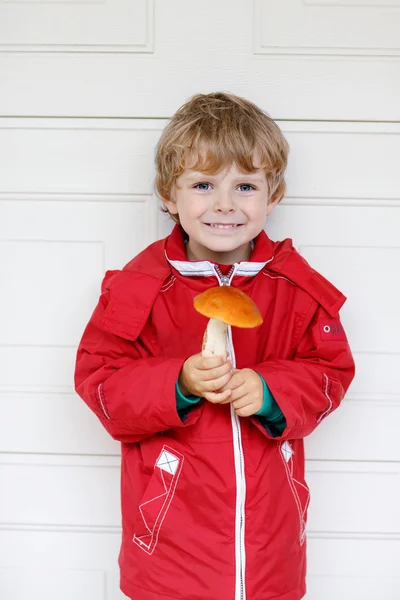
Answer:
(278, 258)
(175, 254)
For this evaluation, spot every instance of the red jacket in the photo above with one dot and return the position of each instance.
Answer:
(213, 507)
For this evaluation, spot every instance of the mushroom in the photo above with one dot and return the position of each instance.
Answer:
(224, 305)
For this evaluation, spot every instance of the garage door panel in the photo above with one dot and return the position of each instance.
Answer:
(344, 224)
(348, 588)
(274, 52)
(353, 498)
(61, 583)
(62, 491)
(122, 229)
(62, 25)
(360, 430)
(53, 275)
(37, 368)
(377, 375)
(47, 423)
(337, 556)
(49, 563)
(77, 157)
(359, 27)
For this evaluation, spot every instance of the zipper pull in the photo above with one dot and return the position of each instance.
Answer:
(224, 279)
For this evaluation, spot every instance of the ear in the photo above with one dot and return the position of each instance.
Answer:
(171, 206)
(273, 201)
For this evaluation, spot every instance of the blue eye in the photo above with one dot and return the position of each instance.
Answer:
(203, 185)
(248, 187)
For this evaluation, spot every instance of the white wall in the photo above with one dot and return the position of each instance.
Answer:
(85, 88)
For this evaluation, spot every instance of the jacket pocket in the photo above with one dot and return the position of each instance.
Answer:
(157, 499)
(299, 489)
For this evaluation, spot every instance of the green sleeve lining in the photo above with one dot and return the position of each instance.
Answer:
(270, 410)
(184, 402)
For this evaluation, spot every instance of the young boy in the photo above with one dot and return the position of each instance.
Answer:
(214, 500)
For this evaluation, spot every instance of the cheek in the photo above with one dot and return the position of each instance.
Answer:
(192, 208)
(255, 210)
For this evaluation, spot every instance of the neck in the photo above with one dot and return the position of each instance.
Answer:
(240, 254)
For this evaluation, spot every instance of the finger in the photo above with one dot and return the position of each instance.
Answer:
(215, 373)
(227, 401)
(246, 411)
(217, 397)
(237, 395)
(219, 384)
(236, 382)
(241, 402)
(205, 363)
(239, 392)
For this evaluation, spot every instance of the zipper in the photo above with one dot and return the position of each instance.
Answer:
(240, 550)
(225, 279)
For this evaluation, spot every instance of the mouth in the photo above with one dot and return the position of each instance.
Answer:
(228, 226)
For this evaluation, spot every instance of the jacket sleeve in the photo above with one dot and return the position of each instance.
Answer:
(131, 392)
(311, 385)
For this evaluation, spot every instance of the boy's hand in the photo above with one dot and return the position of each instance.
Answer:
(201, 376)
(247, 392)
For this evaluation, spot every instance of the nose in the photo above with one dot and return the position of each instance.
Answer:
(224, 202)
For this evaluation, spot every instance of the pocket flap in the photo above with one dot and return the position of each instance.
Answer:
(125, 321)
(129, 297)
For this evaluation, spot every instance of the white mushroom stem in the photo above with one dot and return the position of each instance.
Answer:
(215, 338)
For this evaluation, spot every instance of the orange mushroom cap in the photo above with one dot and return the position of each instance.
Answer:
(230, 305)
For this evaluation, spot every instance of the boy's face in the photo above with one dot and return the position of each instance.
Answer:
(221, 213)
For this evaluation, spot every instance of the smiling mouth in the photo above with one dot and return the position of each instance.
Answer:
(224, 226)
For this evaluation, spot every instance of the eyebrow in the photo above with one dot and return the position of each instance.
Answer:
(246, 176)
(250, 178)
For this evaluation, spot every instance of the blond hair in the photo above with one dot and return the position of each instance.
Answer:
(211, 131)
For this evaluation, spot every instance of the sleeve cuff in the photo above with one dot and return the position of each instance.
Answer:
(270, 410)
(184, 402)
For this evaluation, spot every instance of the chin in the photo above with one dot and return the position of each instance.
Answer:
(223, 247)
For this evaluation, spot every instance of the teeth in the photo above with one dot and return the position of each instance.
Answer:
(222, 226)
